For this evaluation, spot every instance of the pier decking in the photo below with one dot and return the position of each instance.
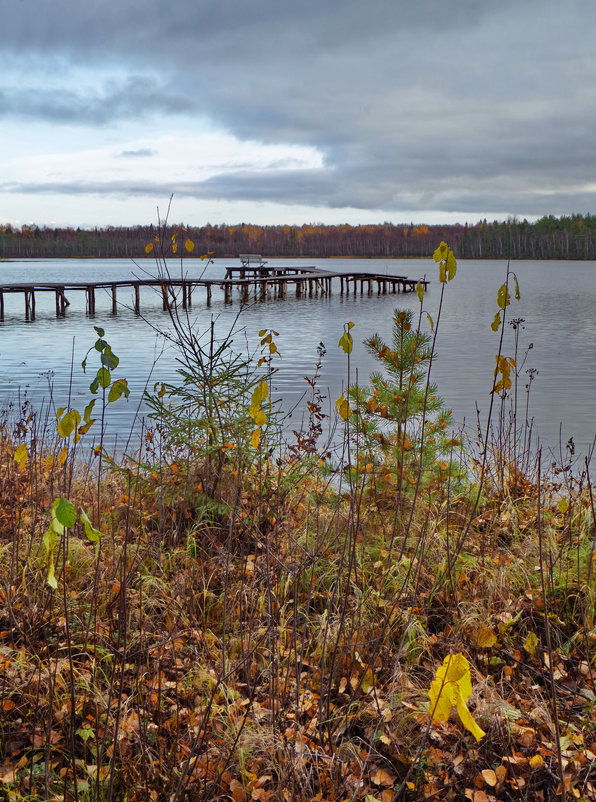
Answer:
(259, 280)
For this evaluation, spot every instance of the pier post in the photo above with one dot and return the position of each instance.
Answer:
(137, 299)
(264, 290)
(227, 294)
(208, 294)
(164, 298)
(57, 303)
(114, 303)
(341, 285)
(90, 297)
(298, 288)
(189, 296)
(1, 306)
(184, 295)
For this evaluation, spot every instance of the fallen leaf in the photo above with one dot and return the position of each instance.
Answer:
(485, 637)
(382, 777)
(489, 777)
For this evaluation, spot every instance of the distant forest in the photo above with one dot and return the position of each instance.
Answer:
(550, 237)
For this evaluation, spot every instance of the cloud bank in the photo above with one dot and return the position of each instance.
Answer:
(459, 107)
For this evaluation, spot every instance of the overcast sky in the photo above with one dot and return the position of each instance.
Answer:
(273, 111)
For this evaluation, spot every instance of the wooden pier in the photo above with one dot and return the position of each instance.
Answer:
(260, 281)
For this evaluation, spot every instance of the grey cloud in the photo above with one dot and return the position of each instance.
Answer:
(413, 105)
(134, 98)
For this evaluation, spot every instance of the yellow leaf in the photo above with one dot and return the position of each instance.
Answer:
(530, 644)
(63, 454)
(368, 681)
(20, 455)
(343, 407)
(149, 247)
(256, 438)
(259, 417)
(563, 504)
(536, 762)
(451, 688)
(485, 637)
(420, 291)
(496, 322)
(189, 245)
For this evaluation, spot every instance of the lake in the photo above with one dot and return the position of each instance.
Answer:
(557, 304)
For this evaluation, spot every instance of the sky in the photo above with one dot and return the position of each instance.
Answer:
(279, 111)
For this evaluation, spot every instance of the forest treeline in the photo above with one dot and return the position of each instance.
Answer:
(572, 237)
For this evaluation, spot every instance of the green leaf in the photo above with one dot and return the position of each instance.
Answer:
(100, 345)
(496, 322)
(64, 511)
(68, 423)
(563, 505)
(88, 410)
(503, 298)
(100, 332)
(103, 377)
(430, 320)
(51, 578)
(94, 535)
(108, 359)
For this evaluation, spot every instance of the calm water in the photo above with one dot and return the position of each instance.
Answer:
(557, 304)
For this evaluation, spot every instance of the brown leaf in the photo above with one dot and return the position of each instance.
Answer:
(237, 791)
(490, 778)
(382, 777)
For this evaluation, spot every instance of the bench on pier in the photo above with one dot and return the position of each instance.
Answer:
(249, 259)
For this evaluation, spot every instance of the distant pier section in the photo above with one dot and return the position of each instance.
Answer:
(253, 278)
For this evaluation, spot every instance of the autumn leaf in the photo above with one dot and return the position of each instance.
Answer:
(530, 644)
(485, 637)
(489, 777)
(343, 407)
(20, 456)
(149, 247)
(451, 688)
